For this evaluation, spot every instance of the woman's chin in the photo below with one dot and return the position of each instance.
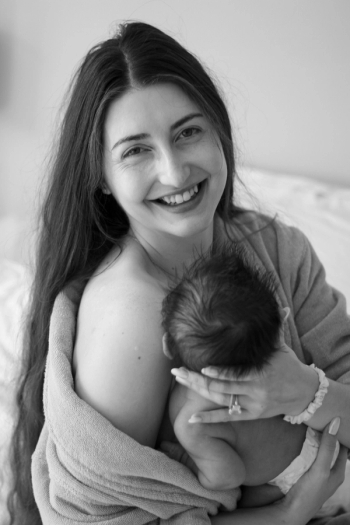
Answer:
(191, 228)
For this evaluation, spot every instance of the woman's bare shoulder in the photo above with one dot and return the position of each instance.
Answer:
(120, 283)
(120, 369)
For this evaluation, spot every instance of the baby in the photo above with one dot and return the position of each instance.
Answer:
(224, 313)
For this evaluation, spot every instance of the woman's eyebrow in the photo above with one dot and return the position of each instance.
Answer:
(129, 138)
(142, 136)
(185, 119)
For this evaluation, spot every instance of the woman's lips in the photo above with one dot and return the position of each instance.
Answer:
(185, 205)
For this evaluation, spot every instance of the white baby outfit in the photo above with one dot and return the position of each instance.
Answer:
(302, 463)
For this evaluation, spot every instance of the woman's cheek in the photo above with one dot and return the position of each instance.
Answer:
(212, 156)
(131, 179)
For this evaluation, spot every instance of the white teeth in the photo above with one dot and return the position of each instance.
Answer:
(179, 198)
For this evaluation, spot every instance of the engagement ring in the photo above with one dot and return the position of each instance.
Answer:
(234, 407)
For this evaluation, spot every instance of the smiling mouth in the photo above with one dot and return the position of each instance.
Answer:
(181, 198)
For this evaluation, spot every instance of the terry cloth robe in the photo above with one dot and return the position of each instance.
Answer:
(86, 471)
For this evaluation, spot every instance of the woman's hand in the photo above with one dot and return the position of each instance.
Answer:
(284, 386)
(321, 481)
(306, 497)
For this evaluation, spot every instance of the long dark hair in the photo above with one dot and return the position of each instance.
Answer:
(79, 223)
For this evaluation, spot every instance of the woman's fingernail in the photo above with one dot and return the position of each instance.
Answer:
(180, 372)
(334, 426)
(210, 372)
(195, 419)
(182, 382)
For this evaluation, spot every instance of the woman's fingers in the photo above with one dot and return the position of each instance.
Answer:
(331, 459)
(321, 480)
(223, 375)
(221, 415)
(339, 467)
(222, 393)
(326, 458)
(328, 445)
(202, 384)
(206, 392)
(212, 372)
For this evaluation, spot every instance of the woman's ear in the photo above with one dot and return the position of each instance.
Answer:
(165, 346)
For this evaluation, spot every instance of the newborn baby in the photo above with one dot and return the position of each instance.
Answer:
(224, 313)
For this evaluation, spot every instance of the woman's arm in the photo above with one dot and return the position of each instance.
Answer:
(335, 403)
(322, 322)
(121, 370)
(286, 386)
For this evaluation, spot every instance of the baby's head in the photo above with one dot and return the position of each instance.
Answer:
(223, 313)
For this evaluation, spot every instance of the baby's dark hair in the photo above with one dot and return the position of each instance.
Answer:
(223, 313)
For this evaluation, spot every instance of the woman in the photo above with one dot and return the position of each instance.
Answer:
(142, 181)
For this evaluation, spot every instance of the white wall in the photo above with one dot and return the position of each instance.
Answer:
(284, 65)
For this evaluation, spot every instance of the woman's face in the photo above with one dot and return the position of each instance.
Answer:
(164, 163)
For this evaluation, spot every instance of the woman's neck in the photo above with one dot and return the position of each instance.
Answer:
(171, 254)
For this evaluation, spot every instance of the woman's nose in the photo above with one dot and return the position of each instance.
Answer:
(173, 170)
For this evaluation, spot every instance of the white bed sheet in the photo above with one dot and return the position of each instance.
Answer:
(320, 210)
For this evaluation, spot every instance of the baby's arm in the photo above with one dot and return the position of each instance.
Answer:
(216, 463)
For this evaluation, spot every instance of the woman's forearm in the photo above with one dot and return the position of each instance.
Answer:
(335, 403)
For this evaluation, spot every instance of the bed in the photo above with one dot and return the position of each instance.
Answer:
(321, 210)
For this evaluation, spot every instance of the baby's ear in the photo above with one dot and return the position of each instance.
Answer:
(165, 346)
(286, 313)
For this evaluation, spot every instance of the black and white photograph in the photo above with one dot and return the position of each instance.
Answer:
(174, 262)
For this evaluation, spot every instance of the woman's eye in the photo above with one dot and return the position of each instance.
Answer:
(133, 151)
(189, 132)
